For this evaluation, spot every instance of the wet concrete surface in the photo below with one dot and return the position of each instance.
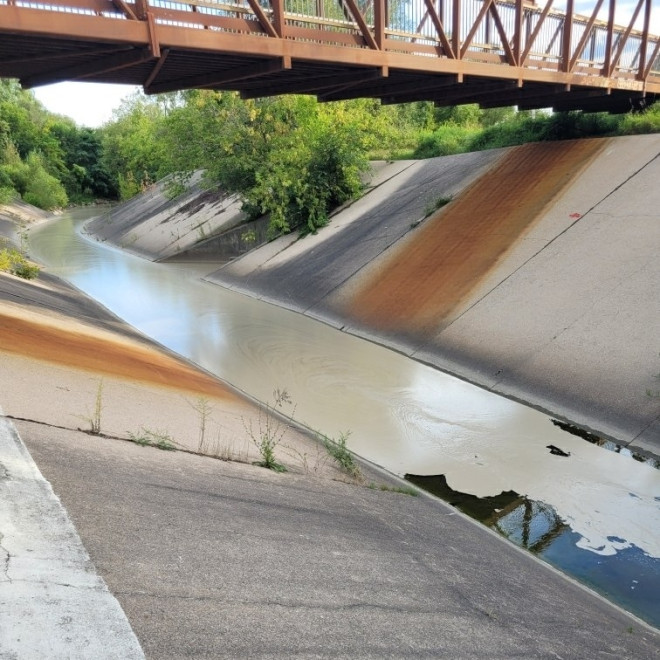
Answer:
(222, 560)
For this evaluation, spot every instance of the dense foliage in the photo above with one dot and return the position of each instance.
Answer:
(289, 157)
(470, 133)
(45, 159)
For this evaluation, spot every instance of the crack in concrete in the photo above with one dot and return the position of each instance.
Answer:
(5, 559)
(288, 605)
(53, 583)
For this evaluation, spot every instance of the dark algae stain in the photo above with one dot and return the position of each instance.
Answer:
(629, 577)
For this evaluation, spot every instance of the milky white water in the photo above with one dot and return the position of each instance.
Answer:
(404, 416)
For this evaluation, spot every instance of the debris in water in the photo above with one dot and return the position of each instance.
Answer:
(556, 451)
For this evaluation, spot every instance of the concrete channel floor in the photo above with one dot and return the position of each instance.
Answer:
(211, 559)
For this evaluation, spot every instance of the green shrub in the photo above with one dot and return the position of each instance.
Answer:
(26, 270)
(642, 122)
(12, 261)
(270, 432)
(35, 185)
(342, 455)
(446, 140)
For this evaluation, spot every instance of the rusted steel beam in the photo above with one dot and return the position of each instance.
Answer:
(654, 55)
(472, 93)
(550, 99)
(614, 104)
(278, 17)
(264, 21)
(449, 93)
(208, 21)
(361, 23)
(156, 70)
(141, 9)
(90, 68)
(624, 38)
(66, 55)
(609, 40)
(390, 92)
(536, 31)
(585, 36)
(35, 23)
(380, 22)
(518, 30)
(567, 35)
(439, 28)
(316, 86)
(541, 96)
(219, 78)
(240, 40)
(456, 28)
(154, 46)
(339, 89)
(643, 47)
(124, 9)
(475, 26)
(503, 36)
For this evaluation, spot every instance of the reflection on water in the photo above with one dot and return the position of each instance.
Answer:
(404, 416)
(620, 571)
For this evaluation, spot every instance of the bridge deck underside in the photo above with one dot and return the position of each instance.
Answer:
(94, 49)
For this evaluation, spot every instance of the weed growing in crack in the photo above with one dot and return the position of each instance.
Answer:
(341, 454)
(403, 490)
(147, 438)
(654, 394)
(270, 432)
(203, 408)
(319, 460)
(436, 204)
(94, 418)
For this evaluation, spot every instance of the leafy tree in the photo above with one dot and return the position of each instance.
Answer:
(84, 175)
(289, 157)
(34, 184)
(132, 151)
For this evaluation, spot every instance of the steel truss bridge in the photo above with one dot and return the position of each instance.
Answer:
(490, 52)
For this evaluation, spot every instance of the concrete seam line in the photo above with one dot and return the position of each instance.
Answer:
(52, 601)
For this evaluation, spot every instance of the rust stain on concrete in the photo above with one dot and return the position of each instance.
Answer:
(60, 341)
(430, 274)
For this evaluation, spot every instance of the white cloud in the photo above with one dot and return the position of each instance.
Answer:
(88, 104)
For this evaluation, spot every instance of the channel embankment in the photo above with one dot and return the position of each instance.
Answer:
(537, 280)
(173, 555)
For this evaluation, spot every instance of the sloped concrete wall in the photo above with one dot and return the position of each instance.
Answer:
(155, 227)
(562, 313)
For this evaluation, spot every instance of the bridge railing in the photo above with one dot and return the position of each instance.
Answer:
(489, 31)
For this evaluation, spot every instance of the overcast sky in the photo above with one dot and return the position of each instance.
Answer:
(91, 104)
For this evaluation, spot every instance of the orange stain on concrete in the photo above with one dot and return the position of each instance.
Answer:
(426, 278)
(59, 341)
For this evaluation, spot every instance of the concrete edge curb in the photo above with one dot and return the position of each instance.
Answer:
(53, 604)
